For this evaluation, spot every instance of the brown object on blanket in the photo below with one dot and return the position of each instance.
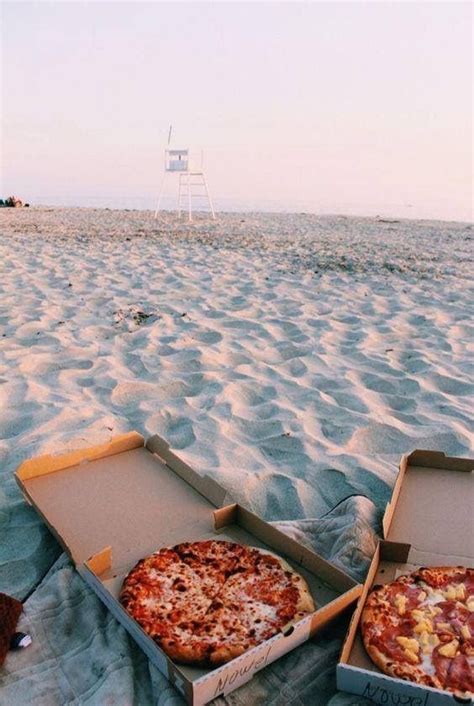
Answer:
(10, 611)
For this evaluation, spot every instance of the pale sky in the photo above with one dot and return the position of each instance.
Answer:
(359, 107)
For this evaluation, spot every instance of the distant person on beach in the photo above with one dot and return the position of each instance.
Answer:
(12, 202)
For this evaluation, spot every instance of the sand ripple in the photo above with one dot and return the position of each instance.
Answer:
(294, 358)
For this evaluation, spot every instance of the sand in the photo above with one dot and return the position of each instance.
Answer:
(293, 357)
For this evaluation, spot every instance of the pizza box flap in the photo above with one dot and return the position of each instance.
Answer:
(121, 495)
(431, 509)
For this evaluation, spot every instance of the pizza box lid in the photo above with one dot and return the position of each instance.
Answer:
(113, 504)
(428, 521)
(431, 509)
(122, 494)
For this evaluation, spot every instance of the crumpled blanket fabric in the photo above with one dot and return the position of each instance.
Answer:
(345, 535)
(80, 654)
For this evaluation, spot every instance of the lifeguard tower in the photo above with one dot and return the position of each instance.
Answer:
(177, 161)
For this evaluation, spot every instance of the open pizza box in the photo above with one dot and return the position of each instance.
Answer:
(428, 522)
(111, 505)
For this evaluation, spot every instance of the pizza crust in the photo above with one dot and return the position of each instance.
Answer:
(438, 575)
(305, 603)
(183, 653)
(225, 654)
(401, 670)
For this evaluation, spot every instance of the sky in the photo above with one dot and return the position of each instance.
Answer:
(329, 107)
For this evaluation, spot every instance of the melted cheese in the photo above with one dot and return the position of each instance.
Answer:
(433, 595)
(427, 664)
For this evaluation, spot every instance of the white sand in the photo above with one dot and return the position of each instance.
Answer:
(293, 357)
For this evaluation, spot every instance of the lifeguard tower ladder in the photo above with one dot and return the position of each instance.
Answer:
(178, 161)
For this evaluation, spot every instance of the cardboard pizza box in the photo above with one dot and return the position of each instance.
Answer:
(111, 505)
(428, 522)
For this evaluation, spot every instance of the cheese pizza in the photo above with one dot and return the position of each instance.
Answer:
(206, 602)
